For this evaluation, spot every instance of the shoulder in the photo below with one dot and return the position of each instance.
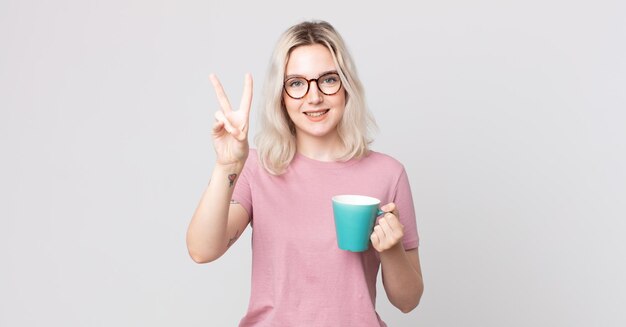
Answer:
(252, 162)
(384, 161)
(253, 155)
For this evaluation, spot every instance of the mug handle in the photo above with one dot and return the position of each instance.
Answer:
(380, 212)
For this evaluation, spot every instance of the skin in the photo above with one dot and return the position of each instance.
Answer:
(218, 222)
(320, 139)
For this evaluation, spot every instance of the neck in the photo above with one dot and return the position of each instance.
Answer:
(319, 148)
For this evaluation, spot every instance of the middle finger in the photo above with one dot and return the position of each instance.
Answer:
(246, 97)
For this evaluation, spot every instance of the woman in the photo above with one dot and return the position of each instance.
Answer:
(313, 144)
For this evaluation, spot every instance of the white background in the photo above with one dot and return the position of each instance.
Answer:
(508, 115)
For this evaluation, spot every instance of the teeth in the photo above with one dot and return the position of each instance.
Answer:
(316, 114)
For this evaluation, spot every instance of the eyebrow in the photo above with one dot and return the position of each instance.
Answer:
(318, 76)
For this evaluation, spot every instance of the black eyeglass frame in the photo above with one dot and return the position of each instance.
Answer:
(308, 85)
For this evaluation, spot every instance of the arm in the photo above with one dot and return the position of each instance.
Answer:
(217, 222)
(402, 277)
(401, 271)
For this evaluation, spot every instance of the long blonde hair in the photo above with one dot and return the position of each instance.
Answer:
(276, 140)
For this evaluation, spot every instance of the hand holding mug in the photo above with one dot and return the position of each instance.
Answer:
(389, 231)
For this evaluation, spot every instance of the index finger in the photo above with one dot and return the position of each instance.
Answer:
(391, 207)
(221, 95)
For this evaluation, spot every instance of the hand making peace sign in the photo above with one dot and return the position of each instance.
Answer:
(230, 131)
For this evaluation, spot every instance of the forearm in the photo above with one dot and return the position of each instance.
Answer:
(207, 235)
(403, 282)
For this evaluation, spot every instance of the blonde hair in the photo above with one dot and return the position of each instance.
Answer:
(276, 140)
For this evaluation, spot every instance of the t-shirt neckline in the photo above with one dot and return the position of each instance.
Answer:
(302, 159)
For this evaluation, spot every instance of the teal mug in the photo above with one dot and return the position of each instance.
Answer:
(355, 216)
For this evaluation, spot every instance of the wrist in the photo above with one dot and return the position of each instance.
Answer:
(228, 173)
(229, 168)
(396, 251)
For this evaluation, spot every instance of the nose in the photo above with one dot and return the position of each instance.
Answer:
(314, 95)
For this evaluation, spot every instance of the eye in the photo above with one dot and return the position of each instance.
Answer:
(330, 79)
(295, 83)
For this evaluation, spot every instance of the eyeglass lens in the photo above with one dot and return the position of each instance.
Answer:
(298, 87)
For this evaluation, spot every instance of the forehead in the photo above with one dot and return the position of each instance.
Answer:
(310, 61)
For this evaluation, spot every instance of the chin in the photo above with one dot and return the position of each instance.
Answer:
(320, 131)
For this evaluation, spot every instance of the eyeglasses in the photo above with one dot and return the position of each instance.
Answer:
(298, 87)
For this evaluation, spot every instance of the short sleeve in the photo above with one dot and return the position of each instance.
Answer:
(404, 202)
(243, 191)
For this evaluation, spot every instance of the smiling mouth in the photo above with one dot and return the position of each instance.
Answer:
(317, 113)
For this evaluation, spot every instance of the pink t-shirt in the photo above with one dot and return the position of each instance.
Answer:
(299, 275)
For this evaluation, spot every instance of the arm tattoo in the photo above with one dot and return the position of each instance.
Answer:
(232, 240)
(231, 179)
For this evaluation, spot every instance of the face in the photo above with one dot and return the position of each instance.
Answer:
(316, 114)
